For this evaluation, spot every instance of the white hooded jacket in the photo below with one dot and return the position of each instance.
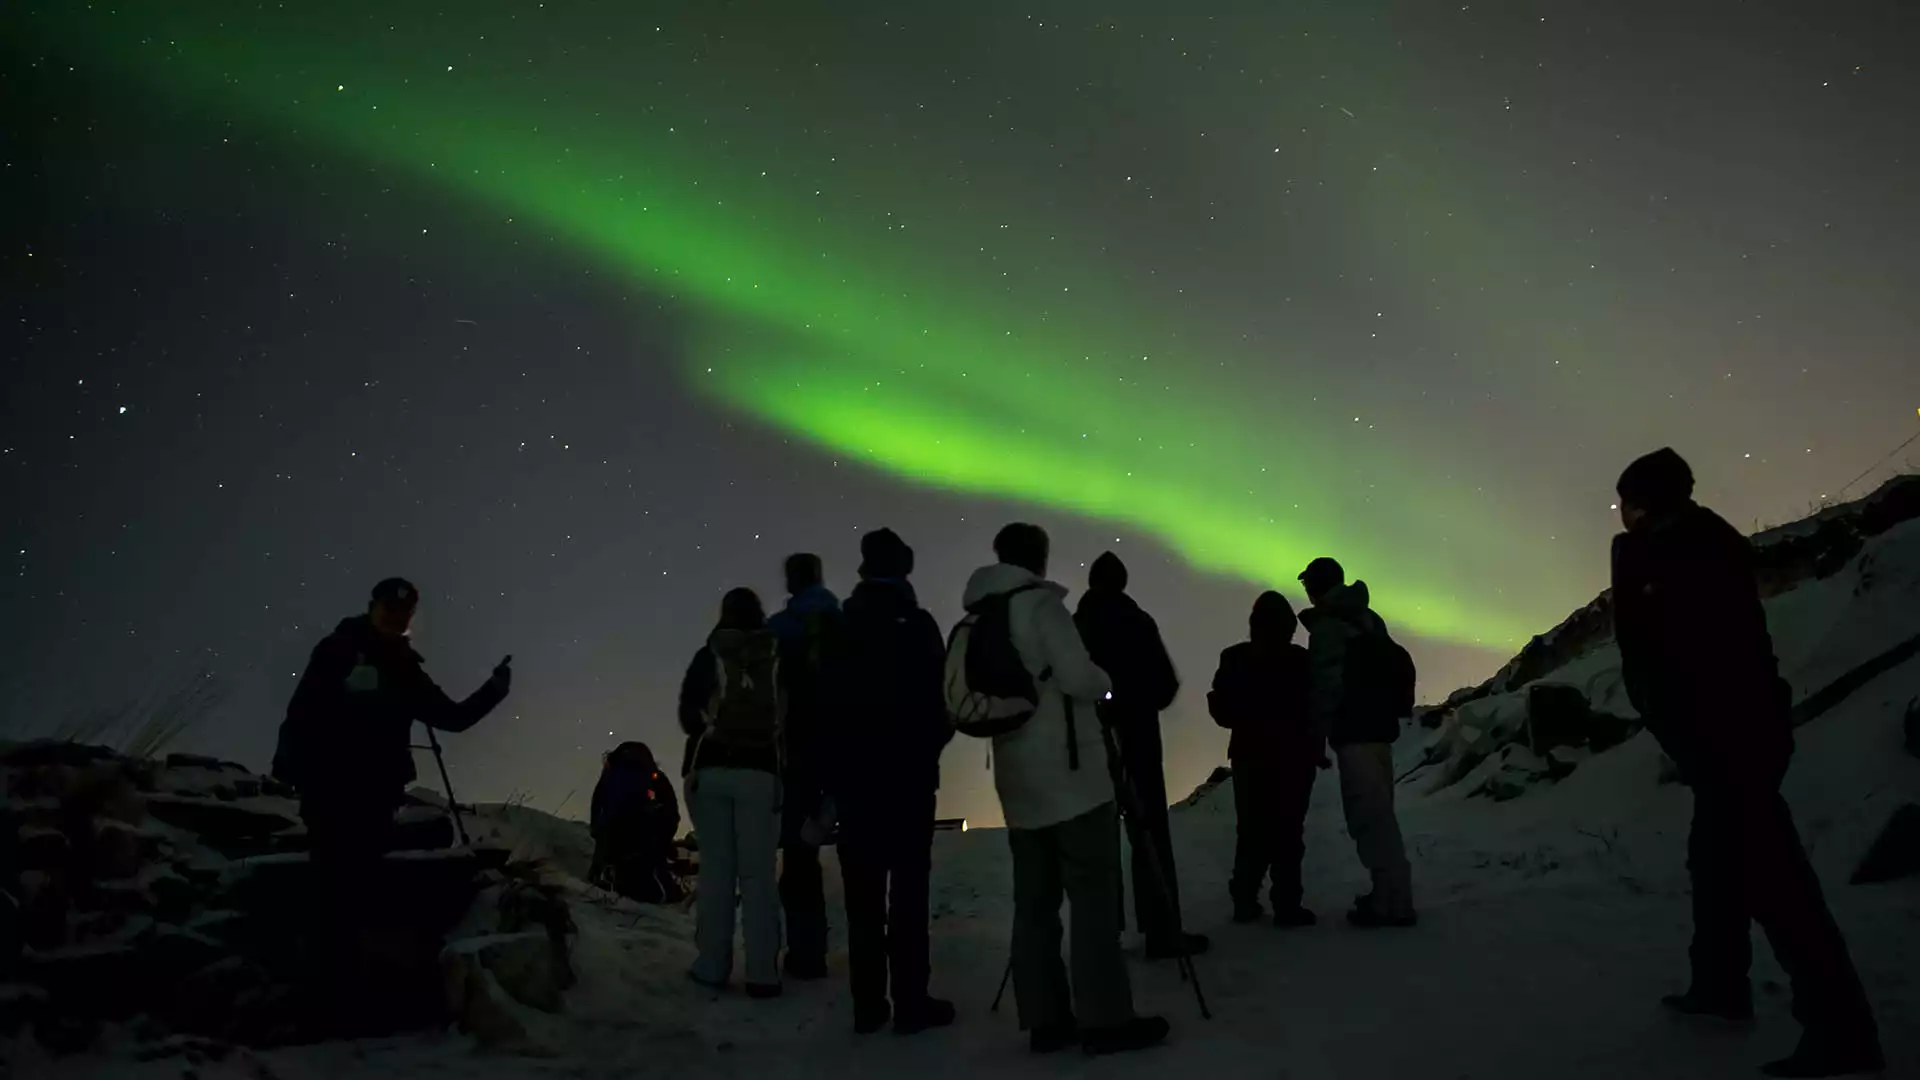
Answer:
(1031, 770)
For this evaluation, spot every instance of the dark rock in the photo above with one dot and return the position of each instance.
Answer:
(233, 829)
(197, 761)
(120, 850)
(528, 965)
(1896, 854)
(422, 829)
(53, 752)
(42, 848)
(21, 1005)
(1558, 715)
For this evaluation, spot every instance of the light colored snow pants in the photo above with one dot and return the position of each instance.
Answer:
(736, 818)
(1366, 794)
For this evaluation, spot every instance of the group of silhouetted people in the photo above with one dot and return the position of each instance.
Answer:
(829, 719)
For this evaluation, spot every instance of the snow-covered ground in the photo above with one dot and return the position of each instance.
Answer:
(1551, 924)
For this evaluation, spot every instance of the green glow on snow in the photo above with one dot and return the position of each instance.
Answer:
(895, 346)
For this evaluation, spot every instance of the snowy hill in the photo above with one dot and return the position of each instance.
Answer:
(1552, 886)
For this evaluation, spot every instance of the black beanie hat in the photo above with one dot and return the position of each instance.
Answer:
(1659, 481)
(1108, 572)
(398, 592)
(884, 555)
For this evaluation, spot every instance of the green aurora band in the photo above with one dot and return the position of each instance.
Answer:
(902, 351)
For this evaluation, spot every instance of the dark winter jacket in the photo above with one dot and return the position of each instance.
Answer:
(806, 629)
(700, 696)
(1695, 653)
(1261, 694)
(1125, 642)
(1341, 616)
(634, 804)
(891, 720)
(348, 729)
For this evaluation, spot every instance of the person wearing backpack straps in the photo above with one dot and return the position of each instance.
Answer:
(732, 707)
(1018, 671)
(1362, 691)
(806, 628)
(1125, 642)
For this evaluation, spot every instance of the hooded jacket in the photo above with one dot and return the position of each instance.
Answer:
(1261, 693)
(890, 721)
(1031, 767)
(633, 801)
(1125, 642)
(1695, 653)
(1341, 616)
(349, 726)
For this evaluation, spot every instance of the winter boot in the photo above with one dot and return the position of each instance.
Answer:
(1171, 949)
(928, 1013)
(1248, 911)
(1293, 918)
(1368, 916)
(1734, 1006)
(1821, 1056)
(1136, 1034)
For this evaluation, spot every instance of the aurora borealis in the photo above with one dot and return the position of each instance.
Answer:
(1393, 284)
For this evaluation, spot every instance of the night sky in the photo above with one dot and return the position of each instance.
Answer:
(578, 314)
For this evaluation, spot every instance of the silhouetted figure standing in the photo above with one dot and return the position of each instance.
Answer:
(891, 727)
(1260, 693)
(1057, 796)
(1125, 642)
(634, 816)
(1360, 688)
(732, 705)
(346, 746)
(1700, 668)
(806, 629)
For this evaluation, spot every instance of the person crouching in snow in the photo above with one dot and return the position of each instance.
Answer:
(1058, 799)
(732, 706)
(634, 818)
(1260, 693)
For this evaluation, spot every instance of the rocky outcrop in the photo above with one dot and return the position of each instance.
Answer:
(177, 895)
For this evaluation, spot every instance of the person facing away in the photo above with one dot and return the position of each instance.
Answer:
(885, 753)
(346, 747)
(1124, 641)
(634, 817)
(1057, 797)
(1346, 638)
(805, 628)
(1699, 667)
(1260, 693)
(732, 706)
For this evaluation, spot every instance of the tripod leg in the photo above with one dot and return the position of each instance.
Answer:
(453, 804)
(1156, 868)
(1005, 978)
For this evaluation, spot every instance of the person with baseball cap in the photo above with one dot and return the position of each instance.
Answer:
(346, 748)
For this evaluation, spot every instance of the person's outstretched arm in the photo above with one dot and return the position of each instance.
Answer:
(433, 707)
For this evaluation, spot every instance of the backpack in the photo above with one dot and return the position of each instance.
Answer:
(1379, 690)
(745, 710)
(989, 690)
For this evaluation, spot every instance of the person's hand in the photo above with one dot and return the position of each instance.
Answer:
(503, 672)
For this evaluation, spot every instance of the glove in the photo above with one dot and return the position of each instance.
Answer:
(503, 673)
